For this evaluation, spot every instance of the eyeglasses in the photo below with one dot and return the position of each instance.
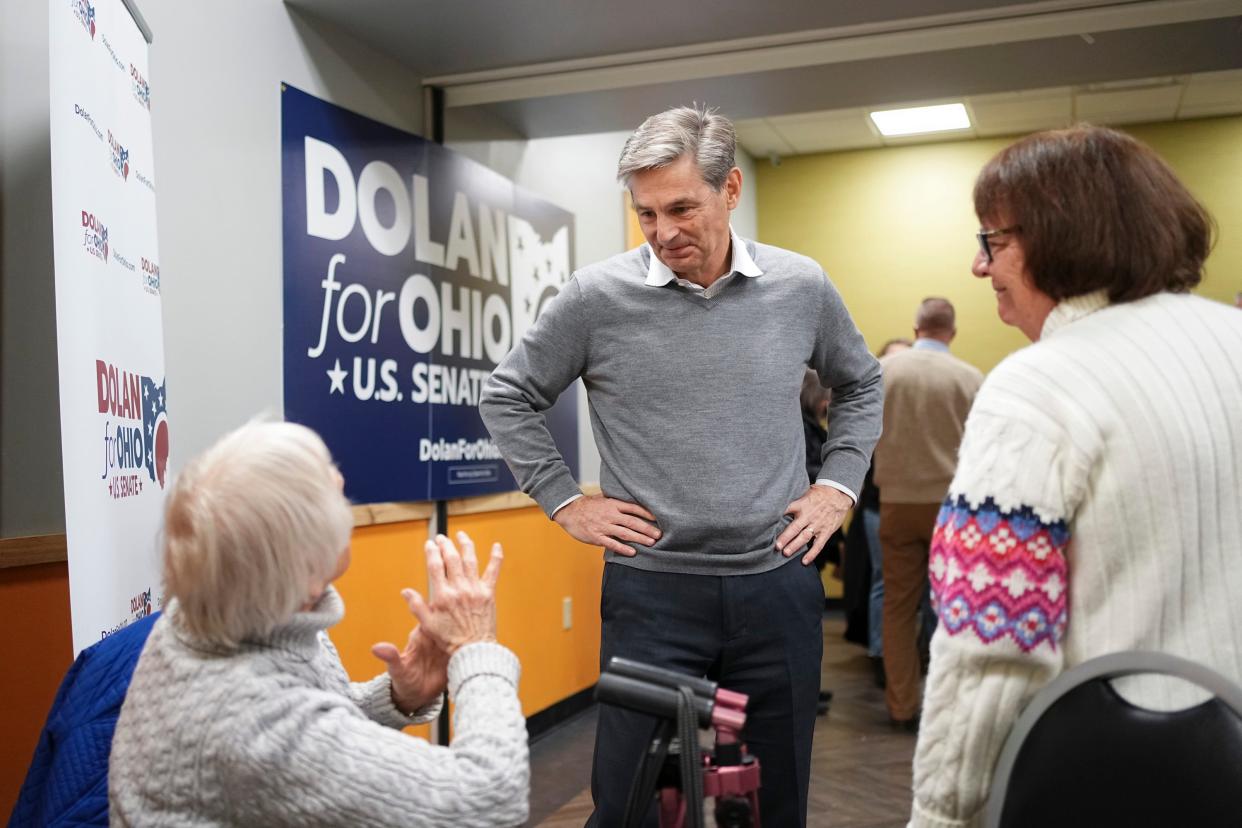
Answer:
(985, 236)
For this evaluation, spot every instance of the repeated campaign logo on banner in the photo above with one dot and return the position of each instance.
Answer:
(135, 414)
(109, 329)
(410, 271)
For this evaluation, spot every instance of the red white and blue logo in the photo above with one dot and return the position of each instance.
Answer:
(142, 89)
(85, 13)
(94, 236)
(120, 157)
(150, 276)
(140, 605)
(135, 411)
(155, 426)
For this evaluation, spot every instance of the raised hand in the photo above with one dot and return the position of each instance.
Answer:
(419, 672)
(462, 611)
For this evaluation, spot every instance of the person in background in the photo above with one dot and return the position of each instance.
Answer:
(895, 346)
(240, 712)
(692, 349)
(1096, 506)
(927, 395)
(864, 538)
(815, 399)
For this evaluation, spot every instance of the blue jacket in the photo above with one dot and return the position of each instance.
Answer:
(67, 783)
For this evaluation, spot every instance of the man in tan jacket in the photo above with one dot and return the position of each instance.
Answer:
(928, 393)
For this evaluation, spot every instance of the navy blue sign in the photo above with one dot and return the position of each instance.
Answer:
(409, 272)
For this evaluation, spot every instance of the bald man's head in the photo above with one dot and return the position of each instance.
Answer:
(936, 319)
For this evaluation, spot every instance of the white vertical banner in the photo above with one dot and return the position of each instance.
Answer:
(109, 328)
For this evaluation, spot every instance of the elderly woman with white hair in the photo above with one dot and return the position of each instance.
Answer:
(240, 712)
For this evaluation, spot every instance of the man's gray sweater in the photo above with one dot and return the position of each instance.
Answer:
(693, 402)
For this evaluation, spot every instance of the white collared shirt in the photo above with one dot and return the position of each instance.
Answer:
(659, 274)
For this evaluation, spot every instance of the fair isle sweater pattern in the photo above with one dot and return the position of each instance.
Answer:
(1109, 453)
(1000, 574)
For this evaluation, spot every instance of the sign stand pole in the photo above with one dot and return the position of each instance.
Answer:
(439, 526)
(433, 129)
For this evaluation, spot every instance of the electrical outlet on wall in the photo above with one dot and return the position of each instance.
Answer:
(567, 613)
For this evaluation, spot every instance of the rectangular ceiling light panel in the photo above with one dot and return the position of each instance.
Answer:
(918, 119)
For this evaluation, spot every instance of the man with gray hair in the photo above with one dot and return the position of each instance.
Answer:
(692, 349)
(928, 393)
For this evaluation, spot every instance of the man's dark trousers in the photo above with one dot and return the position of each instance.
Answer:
(757, 634)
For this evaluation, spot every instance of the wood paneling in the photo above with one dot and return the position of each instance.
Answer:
(32, 550)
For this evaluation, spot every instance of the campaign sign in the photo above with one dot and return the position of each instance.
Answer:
(114, 406)
(409, 272)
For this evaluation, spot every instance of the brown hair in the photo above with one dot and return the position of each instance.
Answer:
(813, 394)
(1097, 210)
(899, 340)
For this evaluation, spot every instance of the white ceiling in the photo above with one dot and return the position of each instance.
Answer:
(1007, 113)
(800, 76)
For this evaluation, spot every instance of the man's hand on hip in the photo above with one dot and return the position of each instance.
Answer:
(603, 521)
(817, 514)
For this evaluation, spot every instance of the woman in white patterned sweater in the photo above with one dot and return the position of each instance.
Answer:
(1097, 504)
(240, 712)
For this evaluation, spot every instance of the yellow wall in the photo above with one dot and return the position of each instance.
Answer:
(894, 225)
(542, 567)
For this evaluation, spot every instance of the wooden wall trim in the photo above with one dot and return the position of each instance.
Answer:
(32, 549)
(375, 514)
(39, 549)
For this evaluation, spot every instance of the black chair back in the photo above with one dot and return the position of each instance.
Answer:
(1081, 755)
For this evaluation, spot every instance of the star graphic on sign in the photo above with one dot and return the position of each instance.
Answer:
(153, 409)
(338, 378)
(161, 398)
